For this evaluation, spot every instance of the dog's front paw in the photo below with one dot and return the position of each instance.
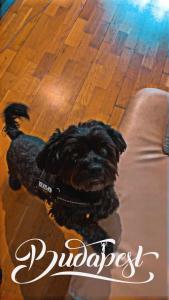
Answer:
(110, 248)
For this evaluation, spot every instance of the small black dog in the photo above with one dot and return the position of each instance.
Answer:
(74, 171)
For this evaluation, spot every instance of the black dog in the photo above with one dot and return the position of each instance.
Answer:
(74, 171)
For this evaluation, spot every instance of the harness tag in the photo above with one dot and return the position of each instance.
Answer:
(43, 186)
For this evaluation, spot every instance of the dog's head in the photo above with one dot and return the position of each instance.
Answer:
(84, 156)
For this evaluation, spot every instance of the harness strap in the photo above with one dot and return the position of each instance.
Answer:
(57, 193)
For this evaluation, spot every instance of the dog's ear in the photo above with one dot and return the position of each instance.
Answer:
(49, 158)
(114, 134)
(117, 139)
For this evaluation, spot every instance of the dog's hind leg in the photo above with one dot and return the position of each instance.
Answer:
(14, 182)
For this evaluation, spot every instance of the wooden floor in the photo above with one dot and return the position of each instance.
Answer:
(69, 60)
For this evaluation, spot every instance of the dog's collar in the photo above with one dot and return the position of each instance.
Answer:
(67, 195)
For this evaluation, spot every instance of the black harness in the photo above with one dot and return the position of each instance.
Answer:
(66, 195)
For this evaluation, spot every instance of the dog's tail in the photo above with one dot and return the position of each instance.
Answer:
(11, 113)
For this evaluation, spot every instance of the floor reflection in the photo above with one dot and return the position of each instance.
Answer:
(148, 18)
(158, 8)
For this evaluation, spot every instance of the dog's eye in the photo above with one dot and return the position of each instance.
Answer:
(103, 152)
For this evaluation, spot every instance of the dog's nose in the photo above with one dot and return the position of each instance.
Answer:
(95, 169)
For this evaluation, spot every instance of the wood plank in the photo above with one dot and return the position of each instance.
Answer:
(15, 26)
(116, 116)
(130, 80)
(76, 33)
(88, 9)
(100, 34)
(44, 65)
(6, 58)
(159, 63)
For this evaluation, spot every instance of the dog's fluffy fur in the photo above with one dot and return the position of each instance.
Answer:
(82, 160)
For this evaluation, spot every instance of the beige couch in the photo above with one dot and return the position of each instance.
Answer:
(143, 190)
